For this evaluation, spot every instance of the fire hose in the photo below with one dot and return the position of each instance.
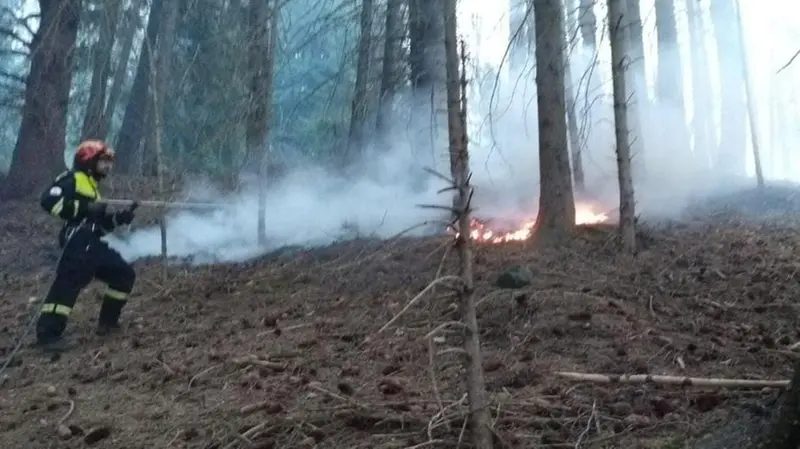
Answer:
(163, 204)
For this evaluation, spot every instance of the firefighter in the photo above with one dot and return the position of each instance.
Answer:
(74, 198)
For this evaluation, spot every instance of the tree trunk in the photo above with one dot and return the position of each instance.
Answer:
(391, 52)
(264, 34)
(636, 83)
(428, 79)
(751, 108)
(358, 110)
(93, 123)
(669, 83)
(702, 123)
(459, 167)
(128, 32)
(618, 61)
(161, 72)
(39, 150)
(556, 216)
(731, 154)
(131, 133)
(575, 143)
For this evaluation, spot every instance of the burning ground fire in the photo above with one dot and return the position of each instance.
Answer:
(488, 231)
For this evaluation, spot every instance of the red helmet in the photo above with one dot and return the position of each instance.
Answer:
(89, 152)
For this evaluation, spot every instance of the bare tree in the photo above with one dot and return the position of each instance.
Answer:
(39, 151)
(556, 216)
(618, 60)
(459, 167)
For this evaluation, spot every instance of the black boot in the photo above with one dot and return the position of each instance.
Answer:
(108, 322)
(49, 331)
(107, 329)
(54, 345)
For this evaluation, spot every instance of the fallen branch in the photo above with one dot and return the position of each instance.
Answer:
(254, 361)
(672, 380)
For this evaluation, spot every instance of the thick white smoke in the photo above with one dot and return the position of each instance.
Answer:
(310, 207)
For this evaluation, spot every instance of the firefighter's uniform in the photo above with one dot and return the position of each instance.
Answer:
(72, 198)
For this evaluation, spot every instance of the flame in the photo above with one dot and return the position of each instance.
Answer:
(485, 232)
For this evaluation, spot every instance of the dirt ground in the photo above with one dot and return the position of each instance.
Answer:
(284, 352)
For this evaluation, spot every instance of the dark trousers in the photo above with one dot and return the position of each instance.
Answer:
(84, 258)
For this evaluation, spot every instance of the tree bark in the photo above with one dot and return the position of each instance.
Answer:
(358, 108)
(161, 72)
(39, 150)
(93, 123)
(575, 143)
(618, 61)
(636, 84)
(428, 79)
(556, 216)
(391, 52)
(264, 34)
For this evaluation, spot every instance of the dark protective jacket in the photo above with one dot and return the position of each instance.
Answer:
(68, 198)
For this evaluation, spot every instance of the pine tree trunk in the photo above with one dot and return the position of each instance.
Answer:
(556, 216)
(358, 108)
(391, 51)
(39, 150)
(618, 61)
(459, 164)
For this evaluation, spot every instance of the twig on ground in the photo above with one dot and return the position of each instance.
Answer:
(68, 414)
(419, 296)
(672, 380)
(201, 373)
(583, 434)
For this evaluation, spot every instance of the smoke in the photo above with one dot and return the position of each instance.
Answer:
(311, 206)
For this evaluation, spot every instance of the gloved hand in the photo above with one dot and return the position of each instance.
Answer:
(125, 217)
(95, 211)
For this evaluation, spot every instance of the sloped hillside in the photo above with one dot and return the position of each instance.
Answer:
(285, 351)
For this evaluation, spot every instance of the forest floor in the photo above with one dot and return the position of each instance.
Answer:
(285, 352)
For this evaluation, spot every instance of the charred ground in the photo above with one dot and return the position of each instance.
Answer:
(293, 336)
